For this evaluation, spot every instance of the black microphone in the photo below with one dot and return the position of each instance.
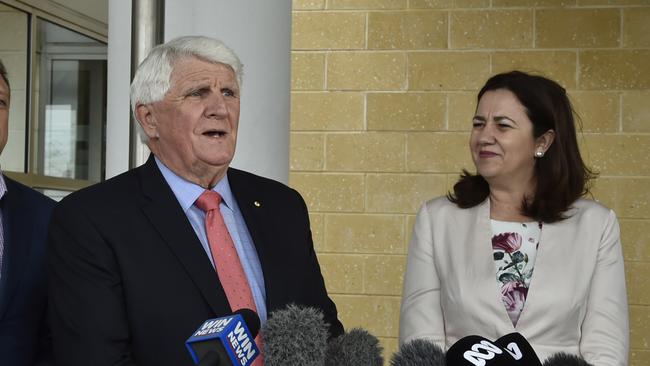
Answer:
(474, 350)
(226, 341)
(519, 349)
(419, 352)
(565, 359)
(295, 336)
(354, 348)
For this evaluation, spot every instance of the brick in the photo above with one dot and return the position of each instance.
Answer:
(634, 236)
(615, 69)
(638, 287)
(367, 4)
(438, 152)
(343, 274)
(377, 314)
(328, 30)
(639, 357)
(448, 4)
(636, 27)
(410, 223)
(447, 70)
(491, 29)
(307, 4)
(402, 193)
(571, 28)
(618, 154)
(636, 111)
(640, 326)
(390, 345)
(407, 30)
(307, 71)
(406, 111)
(366, 71)
(529, 3)
(326, 111)
(317, 223)
(307, 151)
(370, 152)
(556, 65)
(384, 274)
(363, 233)
(330, 192)
(598, 111)
(628, 197)
(612, 2)
(460, 110)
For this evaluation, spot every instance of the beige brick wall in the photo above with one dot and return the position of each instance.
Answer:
(383, 93)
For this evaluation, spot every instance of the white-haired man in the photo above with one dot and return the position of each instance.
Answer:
(138, 262)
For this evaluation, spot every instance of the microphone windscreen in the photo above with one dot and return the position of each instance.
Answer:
(519, 349)
(565, 359)
(475, 350)
(356, 347)
(252, 320)
(295, 336)
(419, 352)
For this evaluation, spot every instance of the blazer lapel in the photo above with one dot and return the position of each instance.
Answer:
(252, 207)
(17, 244)
(168, 218)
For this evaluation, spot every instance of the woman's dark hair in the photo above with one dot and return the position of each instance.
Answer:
(562, 176)
(3, 73)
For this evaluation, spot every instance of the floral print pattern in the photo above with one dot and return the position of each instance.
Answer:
(514, 261)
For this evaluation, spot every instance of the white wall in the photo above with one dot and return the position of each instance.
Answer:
(260, 33)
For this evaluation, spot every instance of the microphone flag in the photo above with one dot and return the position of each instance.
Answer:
(228, 336)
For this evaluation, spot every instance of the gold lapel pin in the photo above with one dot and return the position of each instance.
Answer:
(257, 204)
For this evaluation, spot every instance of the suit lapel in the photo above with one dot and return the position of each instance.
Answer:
(17, 244)
(168, 218)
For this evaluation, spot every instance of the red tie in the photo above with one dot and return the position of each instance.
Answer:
(226, 260)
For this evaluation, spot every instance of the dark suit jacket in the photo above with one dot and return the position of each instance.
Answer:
(24, 337)
(130, 281)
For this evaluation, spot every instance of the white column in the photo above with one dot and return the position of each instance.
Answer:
(259, 31)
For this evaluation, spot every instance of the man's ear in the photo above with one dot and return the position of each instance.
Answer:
(146, 119)
(543, 143)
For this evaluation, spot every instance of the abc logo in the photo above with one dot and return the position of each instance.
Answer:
(484, 351)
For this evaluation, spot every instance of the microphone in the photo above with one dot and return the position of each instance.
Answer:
(295, 336)
(519, 349)
(565, 359)
(474, 350)
(419, 352)
(226, 341)
(354, 348)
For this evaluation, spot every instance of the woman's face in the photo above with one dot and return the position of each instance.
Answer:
(502, 143)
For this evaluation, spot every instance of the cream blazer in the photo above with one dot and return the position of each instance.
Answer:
(576, 302)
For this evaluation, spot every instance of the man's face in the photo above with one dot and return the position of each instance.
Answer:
(193, 130)
(4, 112)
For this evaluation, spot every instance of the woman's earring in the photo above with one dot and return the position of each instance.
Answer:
(539, 153)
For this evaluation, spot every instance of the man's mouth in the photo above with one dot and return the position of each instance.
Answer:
(215, 133)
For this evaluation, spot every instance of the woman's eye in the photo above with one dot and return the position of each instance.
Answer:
(477, 123)
(228, 92)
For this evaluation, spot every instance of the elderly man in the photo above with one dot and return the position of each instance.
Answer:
(24, 336)
(138, 262)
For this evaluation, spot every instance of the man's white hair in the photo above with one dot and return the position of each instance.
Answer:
(152, 78)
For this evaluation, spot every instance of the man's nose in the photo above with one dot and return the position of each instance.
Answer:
(216, 106)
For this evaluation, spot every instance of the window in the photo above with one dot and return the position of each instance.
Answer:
(58, 103)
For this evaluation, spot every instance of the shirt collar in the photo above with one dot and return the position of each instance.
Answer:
(3, 185)
(187, 192)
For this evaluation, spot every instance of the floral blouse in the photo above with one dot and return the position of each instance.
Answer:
(514, 247)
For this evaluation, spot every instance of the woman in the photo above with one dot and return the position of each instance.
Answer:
(515, 248)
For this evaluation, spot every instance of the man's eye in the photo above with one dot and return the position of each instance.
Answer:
(3, 103)
(228, 92)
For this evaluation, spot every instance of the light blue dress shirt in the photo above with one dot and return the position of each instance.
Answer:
(187, 193)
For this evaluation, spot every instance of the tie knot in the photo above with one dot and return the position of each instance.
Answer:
(208, 200)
